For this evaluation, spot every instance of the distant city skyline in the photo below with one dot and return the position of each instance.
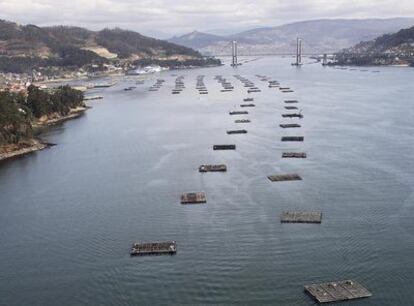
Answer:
(162, 19)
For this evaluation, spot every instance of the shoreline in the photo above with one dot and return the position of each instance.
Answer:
(20, 150)
(11, 151)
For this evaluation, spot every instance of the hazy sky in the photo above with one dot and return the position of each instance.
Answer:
(181, 16)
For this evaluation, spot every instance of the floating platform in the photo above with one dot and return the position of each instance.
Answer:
(212, 168)
(154, 248)
(194, 198)
(301, 217)
(294, 155)
(284, 177)
(292, 125)
(247, 105)
(224, 147)
(337, 291)
(239, 113)
(236, 132)
(291, 101)
(292, 116)
(293, 138)
(242, 121)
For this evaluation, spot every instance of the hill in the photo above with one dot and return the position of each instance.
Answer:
(196, 40)
(25, 47)
(390, 49)
(319, 36)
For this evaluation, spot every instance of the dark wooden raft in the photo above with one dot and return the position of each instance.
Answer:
(337, 291)
(301, 217)
(284, 177)
(193, 198)
(289, 126)
(292, 116)
(236, 132)
(212, 168)
(239, 113)
(154, 248)
(293, 138)
(224, 147)
(294, 155)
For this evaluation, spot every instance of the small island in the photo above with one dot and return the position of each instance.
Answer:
(24, 114)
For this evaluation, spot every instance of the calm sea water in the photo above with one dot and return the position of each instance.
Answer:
(70, 213)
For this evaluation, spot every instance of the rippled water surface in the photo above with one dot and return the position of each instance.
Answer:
(70, 213)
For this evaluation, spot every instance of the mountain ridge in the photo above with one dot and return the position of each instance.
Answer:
(25, 47)
(319, 36)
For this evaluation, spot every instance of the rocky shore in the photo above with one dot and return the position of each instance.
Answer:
(29, 146)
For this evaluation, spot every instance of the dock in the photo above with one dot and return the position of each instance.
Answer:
(154, 248)
(301, 217)
(91, 98)
(193, 198)
(294, 155)
(291, 125)
(212, 168)
(284, 177)
(337, 291)
(224, 147)
(236, 132)
(293, 138)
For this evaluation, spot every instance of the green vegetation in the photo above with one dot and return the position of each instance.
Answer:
(126, 43)
(18, 112)
(24, 48)
(390, 49)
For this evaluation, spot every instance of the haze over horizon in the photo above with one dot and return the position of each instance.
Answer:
(160, 19)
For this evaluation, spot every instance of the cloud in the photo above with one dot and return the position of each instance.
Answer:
(179, 16)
